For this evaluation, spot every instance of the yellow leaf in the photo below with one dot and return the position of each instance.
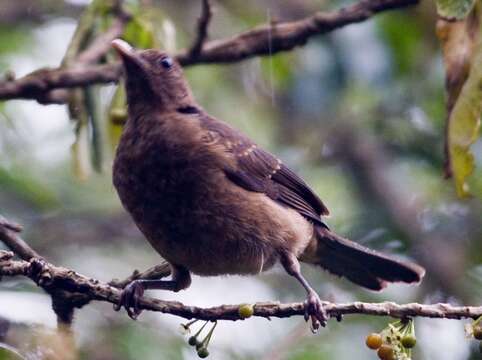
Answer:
(462, 45)
(117, 114)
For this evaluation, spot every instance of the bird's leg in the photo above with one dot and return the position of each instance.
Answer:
(132, 293)
(313, 305)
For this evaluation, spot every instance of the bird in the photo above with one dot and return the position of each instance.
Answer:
(212, 202)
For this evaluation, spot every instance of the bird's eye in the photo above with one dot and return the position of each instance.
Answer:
(166, 62)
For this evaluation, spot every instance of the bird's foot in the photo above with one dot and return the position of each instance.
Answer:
(315, 310)
(129, 299)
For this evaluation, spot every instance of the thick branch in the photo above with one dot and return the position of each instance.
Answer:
(37, 84)
(263, 40)
(51, 277)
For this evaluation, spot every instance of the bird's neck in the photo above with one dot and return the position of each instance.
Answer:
(140, 107)
(142, 112)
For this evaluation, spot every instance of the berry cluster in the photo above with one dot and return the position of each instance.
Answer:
(395, 342)
(244, 311)
(475, 330)
(201, 345)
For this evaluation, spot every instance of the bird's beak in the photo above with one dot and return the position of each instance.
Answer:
(126, 52)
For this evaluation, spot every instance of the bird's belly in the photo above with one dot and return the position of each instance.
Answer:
(211, 239)
(213, 227)
(243, 237)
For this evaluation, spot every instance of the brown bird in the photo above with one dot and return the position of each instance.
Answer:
(212, 202)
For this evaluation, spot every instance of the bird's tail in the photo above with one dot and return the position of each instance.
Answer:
(363, 266)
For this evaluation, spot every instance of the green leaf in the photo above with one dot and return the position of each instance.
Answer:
(9, 353)
(28, 187)
(140, 33)
(454, 9)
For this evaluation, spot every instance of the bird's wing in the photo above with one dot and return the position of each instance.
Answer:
(257, 170)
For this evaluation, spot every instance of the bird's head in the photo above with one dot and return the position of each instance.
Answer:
(154, 77)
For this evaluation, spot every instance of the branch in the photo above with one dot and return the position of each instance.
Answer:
(51, 277)
(276, 37)
(9, 236)
(202, 29)
(101, 45)
(71, 290)
(263, 40)
(40, 82)
(64, 301)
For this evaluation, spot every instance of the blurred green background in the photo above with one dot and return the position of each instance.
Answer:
(359, 113)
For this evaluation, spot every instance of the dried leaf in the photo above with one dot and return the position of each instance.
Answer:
(168, 37)
(81, 147)
(81, 153)
(96, 127)
(454, 9)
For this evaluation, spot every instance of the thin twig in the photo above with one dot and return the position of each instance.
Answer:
(202, 29)
(284, 37)
(102, 44)
(82, 32)
(51, 277)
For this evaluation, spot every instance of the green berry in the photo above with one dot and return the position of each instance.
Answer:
(386, 352)
(203, 352)
(409, 341)
(192, 341)
(374, 341)
(478, 332)
(245, 311)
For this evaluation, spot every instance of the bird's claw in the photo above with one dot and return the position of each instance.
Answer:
(129, 299)
(315, 310)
